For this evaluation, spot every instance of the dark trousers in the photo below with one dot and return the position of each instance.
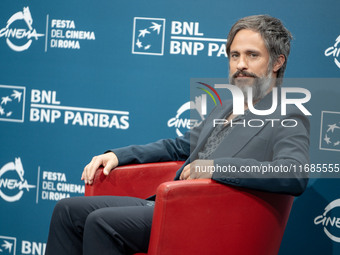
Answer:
(100, 225)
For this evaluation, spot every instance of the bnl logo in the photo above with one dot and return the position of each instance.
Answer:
(12, 103)
(7, 245)
(148, 36)
(330, 131)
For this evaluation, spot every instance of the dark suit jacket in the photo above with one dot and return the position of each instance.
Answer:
(270, 144)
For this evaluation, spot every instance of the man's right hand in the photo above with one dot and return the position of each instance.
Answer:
(108, 160)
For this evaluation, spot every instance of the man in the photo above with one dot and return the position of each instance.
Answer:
(258, 48)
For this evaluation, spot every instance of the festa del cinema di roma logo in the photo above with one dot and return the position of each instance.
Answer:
(182, 122)
(20, 38)
(330, 224)
(12, 186)
(334, 51)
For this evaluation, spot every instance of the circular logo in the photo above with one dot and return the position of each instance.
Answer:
(334, 51)
(327, 220)
(14, 186)
(187, 119)
(15, 35)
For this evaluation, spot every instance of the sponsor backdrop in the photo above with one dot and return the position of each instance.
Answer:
(80, 77)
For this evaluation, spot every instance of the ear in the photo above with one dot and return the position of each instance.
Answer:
(279, 62)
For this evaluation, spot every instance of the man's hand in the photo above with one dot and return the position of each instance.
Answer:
(108, 160)
(199, 169)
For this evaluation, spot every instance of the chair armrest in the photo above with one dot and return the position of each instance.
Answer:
(214, 214)
(138, 180)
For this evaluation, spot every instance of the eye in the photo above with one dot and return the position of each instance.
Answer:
(253, 55)
(234, 55)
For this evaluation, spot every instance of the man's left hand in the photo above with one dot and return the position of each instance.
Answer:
(199, 169)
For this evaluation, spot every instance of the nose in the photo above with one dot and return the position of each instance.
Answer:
(242, 63)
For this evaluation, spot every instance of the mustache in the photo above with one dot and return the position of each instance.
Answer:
(244, 73)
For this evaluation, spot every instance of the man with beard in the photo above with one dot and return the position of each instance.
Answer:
(258, 48)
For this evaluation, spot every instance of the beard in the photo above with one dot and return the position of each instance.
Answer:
(259, 87)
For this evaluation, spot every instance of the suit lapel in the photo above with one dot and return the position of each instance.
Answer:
(205, 133)
(238, 137)
(240, 134)
(209, 127)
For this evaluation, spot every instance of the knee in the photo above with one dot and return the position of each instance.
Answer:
(102, 219)
(62, 209)
(63, 205)
(93, 220)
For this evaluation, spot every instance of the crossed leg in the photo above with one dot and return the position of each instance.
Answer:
(100, 225)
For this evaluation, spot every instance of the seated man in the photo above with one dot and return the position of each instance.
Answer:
(258, 48)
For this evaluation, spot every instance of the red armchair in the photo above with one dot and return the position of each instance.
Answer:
(200, 216)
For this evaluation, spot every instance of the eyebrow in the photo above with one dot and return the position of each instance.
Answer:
(247, 51)
(234, 51)
(253, 51)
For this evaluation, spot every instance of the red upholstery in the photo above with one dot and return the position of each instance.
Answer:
(201, 216)
(140, 180)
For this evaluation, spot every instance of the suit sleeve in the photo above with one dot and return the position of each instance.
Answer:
(289, 147)
(160, 151)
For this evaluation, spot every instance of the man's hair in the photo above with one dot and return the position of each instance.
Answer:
(276, 37)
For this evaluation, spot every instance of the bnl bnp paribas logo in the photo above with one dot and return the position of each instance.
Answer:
(330, 131)
(148, 36)
(19, 31)
(12, 103)
(7, 245)
(334, 51)
(185, 38)
(45, 108)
